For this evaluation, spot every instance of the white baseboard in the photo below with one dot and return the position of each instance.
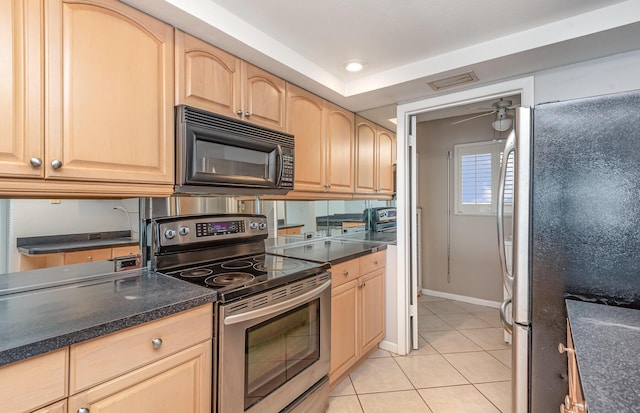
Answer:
(464, 299)
(389, 346)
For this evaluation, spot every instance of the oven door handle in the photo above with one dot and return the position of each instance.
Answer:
(276, 308)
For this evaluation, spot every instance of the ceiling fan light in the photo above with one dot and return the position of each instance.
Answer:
(501, 125)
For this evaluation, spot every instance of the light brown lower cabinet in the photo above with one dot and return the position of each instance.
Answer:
(357, 311)
(31, 384)
(178, 383)
(33, 262)
(59, 407)
(163, 366)
(574, 401)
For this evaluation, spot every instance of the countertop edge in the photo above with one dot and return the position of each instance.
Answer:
(54, 343)
(70, 247)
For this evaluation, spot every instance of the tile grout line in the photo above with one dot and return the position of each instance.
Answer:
(459, 372)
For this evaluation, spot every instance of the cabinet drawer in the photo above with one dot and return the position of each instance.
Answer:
(124, 251)
(36, 382)
(373, 262)
(344, 272)
(78, 257)
(106, 357)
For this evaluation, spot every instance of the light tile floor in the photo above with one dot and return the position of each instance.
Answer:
(463, 365)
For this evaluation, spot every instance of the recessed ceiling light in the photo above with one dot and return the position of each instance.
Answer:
(354, 65)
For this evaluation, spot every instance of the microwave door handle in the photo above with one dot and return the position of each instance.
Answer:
(509, 147)
(280, 165)
(276, 308)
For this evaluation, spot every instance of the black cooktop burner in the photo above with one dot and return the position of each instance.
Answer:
(198, 272)
(229, 278)
(277, 266)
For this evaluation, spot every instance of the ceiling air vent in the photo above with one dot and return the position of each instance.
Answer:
(453, 81)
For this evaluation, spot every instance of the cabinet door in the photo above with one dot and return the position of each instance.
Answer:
(365, 156)
(264, 98)
(35, 382)
(124, 251)
(60, 407)
(78, 257)
(178, 383)
(305, 122)
(371, 310)
(21, 103)
(109, 108)
(385, 161)
(344, 344)
(340, 147)
(207, 77)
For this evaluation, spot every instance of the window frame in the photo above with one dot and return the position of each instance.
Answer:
(495, 148)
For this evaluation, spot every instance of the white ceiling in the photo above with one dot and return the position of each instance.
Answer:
(405, 43)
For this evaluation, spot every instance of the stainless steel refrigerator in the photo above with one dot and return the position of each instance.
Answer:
(576, 230)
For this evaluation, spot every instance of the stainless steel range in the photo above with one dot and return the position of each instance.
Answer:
(272, 315)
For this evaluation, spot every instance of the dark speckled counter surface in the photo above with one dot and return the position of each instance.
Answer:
(47, 317)
(607, 344)
(332, 250)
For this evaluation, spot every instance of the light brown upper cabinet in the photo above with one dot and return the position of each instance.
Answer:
(324, 139)
(21, 102)
(108, 94)
(374, 158)
(212, 79)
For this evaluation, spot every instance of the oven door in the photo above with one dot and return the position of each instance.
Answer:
(271, 355)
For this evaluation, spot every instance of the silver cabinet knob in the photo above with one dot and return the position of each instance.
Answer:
(157, 342)
(90, 258)
(375, 262)
(247, 114)
(55, 164)
(35, 162)
(83, 410)
(345, 273)
(239, 112)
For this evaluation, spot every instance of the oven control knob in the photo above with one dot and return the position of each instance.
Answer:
(184, 230)
(253, 225)
(170, 233)
(263, 225)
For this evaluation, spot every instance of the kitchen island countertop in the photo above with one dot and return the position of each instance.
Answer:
(607, 344)
(44, 316)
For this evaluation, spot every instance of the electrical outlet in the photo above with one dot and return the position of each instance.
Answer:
(308, 235)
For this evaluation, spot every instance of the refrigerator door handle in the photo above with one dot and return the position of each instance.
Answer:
(509, 147)
(508, 327)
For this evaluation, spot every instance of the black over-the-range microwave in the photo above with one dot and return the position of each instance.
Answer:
(216, 154)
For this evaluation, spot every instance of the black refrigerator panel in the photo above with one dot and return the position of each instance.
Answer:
(585, 222)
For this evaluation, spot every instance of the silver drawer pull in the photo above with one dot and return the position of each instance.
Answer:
(157, 342)
(375, 262)
(83, 410)
(345, 273)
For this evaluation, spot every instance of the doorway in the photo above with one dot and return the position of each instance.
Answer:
(407, 195)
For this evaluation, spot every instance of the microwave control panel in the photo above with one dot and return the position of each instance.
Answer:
(287, 168)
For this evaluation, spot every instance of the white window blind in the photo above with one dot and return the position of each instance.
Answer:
(477, 170)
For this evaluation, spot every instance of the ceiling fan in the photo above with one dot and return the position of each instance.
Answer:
(502, 121)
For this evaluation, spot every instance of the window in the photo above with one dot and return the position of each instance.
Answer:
(477, 168)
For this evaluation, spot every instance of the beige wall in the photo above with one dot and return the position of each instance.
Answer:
(475, 267)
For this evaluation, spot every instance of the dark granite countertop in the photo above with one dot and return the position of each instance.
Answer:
(386, 237)
(51, 316)
(51, 244)
(607, 344)
(331, 250)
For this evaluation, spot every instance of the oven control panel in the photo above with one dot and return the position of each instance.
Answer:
(205, 228)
